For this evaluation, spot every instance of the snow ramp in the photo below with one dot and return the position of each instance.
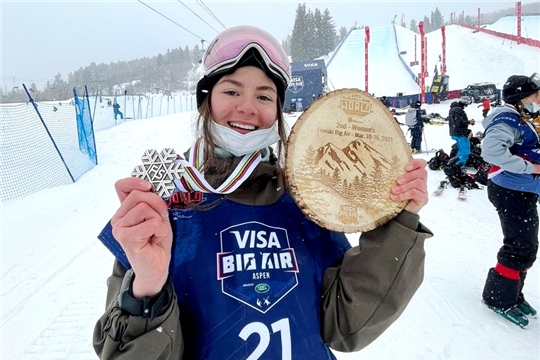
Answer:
(346, 68)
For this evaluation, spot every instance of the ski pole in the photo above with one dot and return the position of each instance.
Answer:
(425, 141)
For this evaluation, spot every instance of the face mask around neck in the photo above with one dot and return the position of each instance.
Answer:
(532, 108)
(242, 144)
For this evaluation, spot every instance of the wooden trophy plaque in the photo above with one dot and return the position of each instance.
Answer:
(344, 154)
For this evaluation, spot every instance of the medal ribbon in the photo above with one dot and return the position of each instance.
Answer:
(193, 179)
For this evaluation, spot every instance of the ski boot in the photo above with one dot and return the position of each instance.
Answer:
(525, 307)
(512, 314)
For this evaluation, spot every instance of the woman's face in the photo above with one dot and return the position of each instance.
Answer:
(245, 100)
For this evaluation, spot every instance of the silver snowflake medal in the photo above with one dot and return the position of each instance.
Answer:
(161, 169)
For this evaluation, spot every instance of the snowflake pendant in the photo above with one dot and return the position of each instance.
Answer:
(161, 169)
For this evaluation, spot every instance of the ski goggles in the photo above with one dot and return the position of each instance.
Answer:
(535, 81)
(226, 50)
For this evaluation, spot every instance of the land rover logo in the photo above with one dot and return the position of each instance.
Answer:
(262, 288)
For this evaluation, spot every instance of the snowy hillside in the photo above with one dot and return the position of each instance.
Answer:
(54, 269)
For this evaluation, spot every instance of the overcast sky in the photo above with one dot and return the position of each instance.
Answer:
(42, 38)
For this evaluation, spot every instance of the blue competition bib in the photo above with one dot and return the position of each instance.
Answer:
(249, 278)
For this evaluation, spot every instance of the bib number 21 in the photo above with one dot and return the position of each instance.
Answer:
(281, 326)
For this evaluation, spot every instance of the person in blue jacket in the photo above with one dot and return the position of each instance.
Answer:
(511, 144)
(116, 109)
(458, 125)
(231, 268)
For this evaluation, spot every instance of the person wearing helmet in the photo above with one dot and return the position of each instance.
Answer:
(243, 273)
(458, 124)
(418, 127)
(511, 144)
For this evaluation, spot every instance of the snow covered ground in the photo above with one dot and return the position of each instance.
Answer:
(54, 269)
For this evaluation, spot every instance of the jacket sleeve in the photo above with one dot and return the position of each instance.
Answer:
(462, 118)
(498, 139)
(419, 119)
(120, 336)
(370, 288)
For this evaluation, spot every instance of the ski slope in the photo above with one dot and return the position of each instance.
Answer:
(468, 57)
(530, 26)
(347, 68)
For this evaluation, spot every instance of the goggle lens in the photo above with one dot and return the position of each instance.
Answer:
(535, 79)
(228, 48)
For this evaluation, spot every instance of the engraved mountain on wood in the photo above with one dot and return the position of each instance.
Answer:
(353, 157)
(356, 174)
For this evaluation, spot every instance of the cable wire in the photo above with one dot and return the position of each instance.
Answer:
(207, 9)
(174, 22)
(180, 1)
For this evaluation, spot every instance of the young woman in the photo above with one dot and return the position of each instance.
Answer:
(511, 145)
(243, 274)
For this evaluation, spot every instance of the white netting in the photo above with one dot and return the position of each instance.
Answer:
(37, 154)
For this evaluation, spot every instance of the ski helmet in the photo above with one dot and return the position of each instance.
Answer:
(465, 100)
(244, 46)
(518, 87)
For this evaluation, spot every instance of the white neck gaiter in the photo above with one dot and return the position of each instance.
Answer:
(242, 144)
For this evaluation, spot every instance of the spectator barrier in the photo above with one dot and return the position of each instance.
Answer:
(517, 39)
(47, 144)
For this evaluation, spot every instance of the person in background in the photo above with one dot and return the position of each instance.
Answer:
(458, 124)
(244, 273)
(417, 129)
(511, 144)
(393, 112)
(385, 101)
(116, 109)
(497, 103)
(486, 106)
(479, 135)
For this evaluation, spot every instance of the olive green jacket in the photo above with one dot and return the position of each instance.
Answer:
(362, 295)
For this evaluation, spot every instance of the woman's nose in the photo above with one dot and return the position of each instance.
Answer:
(247, 105)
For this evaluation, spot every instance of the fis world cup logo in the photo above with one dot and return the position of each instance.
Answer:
(256, 265)
(356, 106)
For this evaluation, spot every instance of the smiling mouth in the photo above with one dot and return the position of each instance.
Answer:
(243, 127)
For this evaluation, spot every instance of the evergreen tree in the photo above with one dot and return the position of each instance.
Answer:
(414, 26)
(437, 19)
(314, 34)
(427, 25)
(287, 44)
(336, 178)
(329, 38)
(310, 51)
(342, 33)
(299, 33)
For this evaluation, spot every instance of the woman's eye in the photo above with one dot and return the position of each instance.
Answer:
(265, 98)
(231, 92)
